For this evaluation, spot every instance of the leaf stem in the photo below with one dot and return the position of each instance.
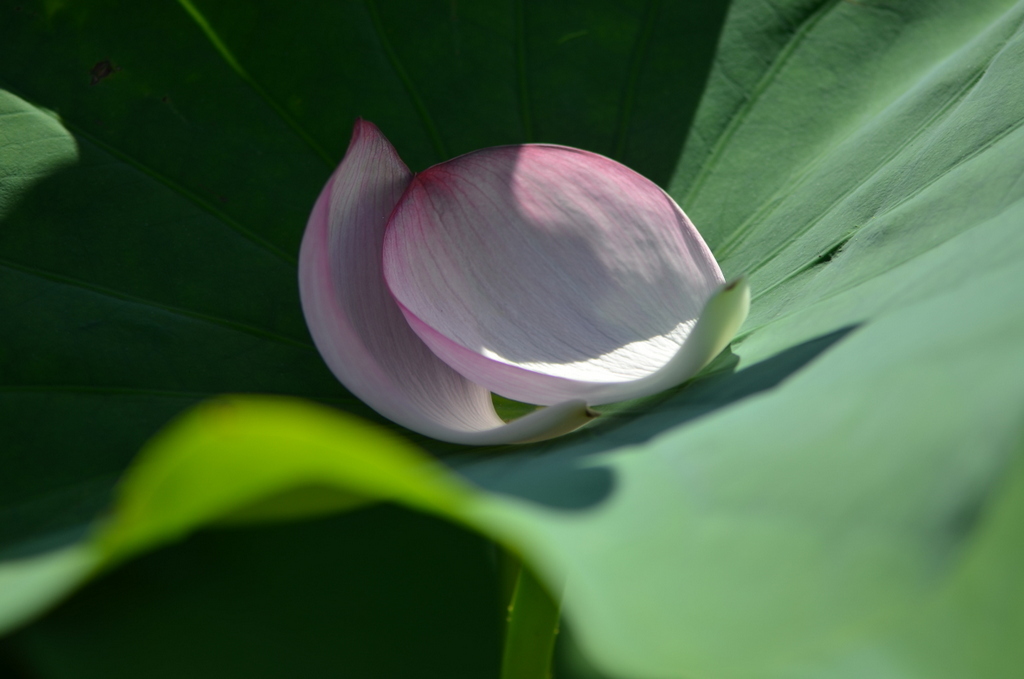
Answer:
(530, 630)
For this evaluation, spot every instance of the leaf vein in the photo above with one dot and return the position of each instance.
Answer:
(233, 63)
(184, 192)
(851, 286)
(133, 299)
(958, 97)
(403, 76)
(100, 390)
(770, 205)
(523, 83)
(636, 63)
(767, 79)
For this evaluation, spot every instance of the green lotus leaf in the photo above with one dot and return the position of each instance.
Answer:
(838, 495)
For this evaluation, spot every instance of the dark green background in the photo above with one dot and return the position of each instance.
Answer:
(159, 269)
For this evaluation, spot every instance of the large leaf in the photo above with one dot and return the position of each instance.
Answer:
(150, 232)
(840, 498)
(158, 162)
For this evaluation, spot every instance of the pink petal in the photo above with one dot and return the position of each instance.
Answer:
(359, 329)
(546, 273)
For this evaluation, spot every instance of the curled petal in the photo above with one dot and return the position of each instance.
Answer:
(546, 273)
(717, 325)
(359, 329)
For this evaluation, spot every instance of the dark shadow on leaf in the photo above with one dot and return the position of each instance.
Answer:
(112, 328)
(558, 473)
(382, 592)
(11, 665)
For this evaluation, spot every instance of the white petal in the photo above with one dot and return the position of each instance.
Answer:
(359, 329)
(547, 273)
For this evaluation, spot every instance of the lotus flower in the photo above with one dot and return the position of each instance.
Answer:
(542, 273)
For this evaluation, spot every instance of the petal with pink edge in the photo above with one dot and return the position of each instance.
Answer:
(360, 330)
(547, 273)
